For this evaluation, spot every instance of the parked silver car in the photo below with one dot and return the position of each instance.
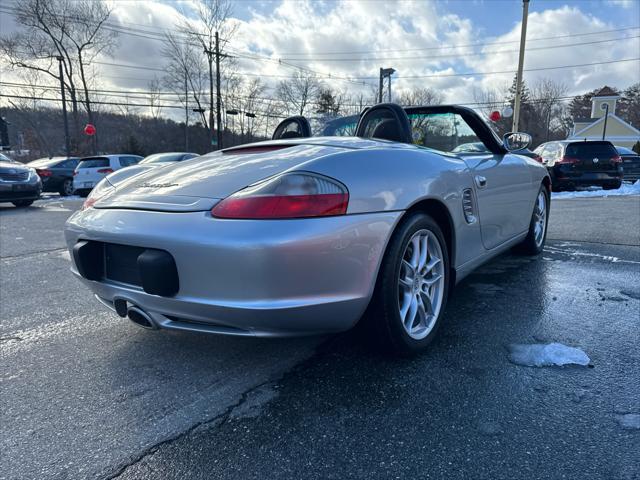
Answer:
(304, 235)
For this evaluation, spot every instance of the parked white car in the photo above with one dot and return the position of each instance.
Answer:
(91, 170)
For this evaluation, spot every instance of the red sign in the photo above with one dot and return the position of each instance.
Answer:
(494, 116)
(90, 129)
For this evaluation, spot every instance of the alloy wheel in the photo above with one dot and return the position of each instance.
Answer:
(421, 284)
(540, 218)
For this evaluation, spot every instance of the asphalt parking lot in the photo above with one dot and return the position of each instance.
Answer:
(88, 395)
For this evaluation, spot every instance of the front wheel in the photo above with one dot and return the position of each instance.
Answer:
(22, 203)
(412, 288)
(613, 186)
(533, 244)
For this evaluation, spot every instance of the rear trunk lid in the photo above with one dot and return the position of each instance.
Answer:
(593, 156)
(198, 184)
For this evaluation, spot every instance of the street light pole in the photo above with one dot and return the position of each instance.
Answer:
(606, 116)
(523, 39)
(67, 144)
(385, 73)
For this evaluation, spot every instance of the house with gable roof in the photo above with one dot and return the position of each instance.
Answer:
(603, 112)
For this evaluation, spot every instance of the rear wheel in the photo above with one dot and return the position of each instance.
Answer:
(67, 187)
(613, 186)
(412, 288)
(83, 193)
(533, 244)
(22, 203)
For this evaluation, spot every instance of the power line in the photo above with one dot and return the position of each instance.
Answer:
(559, 67)
(130, 105)
(457, 55)
(443, 47)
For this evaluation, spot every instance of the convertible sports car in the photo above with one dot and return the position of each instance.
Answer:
(303, 235)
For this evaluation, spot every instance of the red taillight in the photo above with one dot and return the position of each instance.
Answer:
(538, 158)
(566, 159)
(285, 206)
(75, 173)
(292, 195)
(43, 172)
(616, 159)
(105, 170)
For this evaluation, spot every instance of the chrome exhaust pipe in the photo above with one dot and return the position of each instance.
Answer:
(141, 318)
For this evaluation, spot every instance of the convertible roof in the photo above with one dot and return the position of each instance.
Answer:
(485, 134)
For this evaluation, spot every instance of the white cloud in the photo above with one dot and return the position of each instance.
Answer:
(406, 35)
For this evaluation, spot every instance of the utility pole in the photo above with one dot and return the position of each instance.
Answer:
(380, 87)
(186, 113)
(523, 39)
(210, 53)
(218, 93)
(67, 144)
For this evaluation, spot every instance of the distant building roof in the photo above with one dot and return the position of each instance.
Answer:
(606, 92)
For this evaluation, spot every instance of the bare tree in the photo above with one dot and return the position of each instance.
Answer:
(27, 104)
(420, 96)
(213, 22)
(185, 74)
(155, 99)
(547, 106)
(71, 30)
(298, 93)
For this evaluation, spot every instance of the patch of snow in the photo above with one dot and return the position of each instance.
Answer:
(629, 421)
(625, 189)
(545, 355)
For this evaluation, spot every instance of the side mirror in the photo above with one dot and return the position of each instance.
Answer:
(514, 141)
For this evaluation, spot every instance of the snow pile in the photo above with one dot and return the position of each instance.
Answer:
(625, 189)
(544, 355)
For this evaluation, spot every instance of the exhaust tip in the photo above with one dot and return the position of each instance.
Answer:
(140, 318)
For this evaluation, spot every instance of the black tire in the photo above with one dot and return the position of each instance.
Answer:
(529, 245)
(383, 324)
(613, 186)
(66, 188)
(82, 193)
(22, 203)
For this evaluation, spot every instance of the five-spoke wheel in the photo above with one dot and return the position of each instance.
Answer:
(420, 284)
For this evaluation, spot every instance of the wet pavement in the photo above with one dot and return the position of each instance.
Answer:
(89, 396)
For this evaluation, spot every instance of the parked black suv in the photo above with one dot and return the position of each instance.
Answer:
(574, 164)
(56, 173)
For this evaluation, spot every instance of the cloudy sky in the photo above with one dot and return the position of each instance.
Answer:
(430, 43)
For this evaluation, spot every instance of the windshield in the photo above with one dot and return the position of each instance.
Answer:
(99, 162)
(589, 150)
(163, 157)
(4, 158)
(446, 132)
(43, 162)
(625, 151)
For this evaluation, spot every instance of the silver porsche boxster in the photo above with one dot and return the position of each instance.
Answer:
(304, 235)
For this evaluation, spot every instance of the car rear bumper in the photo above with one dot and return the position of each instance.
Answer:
(246, 277)
(565, 177)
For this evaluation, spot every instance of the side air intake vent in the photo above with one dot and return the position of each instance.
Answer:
(468, 206)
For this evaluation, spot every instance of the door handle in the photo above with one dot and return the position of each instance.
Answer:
(481, 181)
